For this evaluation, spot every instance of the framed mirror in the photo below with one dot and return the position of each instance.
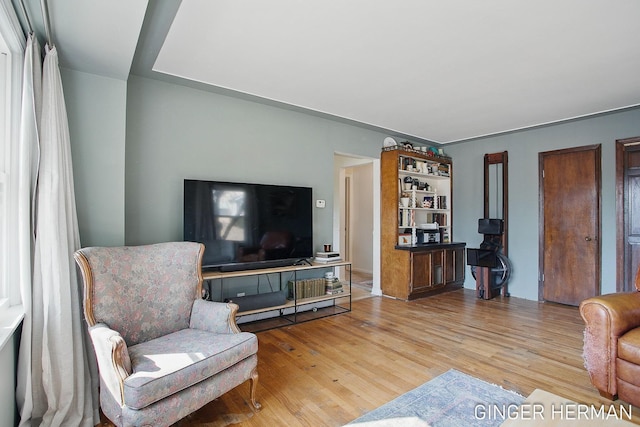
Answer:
(496, 191)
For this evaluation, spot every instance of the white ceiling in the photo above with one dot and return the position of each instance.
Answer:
(93, 36)
(440, 71)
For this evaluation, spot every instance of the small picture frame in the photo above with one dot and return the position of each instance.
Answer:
(404, 239)
(427, 202)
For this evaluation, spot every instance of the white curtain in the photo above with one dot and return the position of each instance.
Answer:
(60, 391)
(27, 170)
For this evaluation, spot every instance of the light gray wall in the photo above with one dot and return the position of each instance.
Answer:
(174, 132)
(523, 148)
(133, 194)
(96, 107)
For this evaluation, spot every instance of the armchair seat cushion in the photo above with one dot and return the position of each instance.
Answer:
(629, 346)
(173, 362)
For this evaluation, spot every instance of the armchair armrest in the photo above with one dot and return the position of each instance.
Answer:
(113, 359)
(607, 317)
(218, 317)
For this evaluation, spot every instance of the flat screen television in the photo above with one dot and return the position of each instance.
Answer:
(248, 226)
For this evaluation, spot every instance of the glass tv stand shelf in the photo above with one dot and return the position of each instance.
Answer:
(300, 304)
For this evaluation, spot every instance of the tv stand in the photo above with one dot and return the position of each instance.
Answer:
(257, 265)
(298, 308)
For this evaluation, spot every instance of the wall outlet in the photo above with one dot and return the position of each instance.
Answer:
(240, 294)
(320, 203)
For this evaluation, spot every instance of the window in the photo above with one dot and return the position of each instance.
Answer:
(12, 45)
(4, 167)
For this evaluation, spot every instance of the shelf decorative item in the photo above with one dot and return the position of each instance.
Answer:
(435, 155)
(306, 288)
(404, 239)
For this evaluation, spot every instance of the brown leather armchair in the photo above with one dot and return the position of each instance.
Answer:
(612, 343)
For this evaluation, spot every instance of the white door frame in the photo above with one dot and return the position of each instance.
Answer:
(342, 161)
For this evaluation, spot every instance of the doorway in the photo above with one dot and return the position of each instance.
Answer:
(569, 239)
(627, 212)
(357, 217)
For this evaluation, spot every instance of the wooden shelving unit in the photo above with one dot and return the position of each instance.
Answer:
(411, 268)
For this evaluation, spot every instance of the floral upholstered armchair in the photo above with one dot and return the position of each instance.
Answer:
(162, 351)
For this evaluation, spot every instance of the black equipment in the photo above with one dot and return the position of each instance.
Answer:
(489, 266)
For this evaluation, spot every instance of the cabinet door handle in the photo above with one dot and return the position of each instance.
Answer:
(588, 239)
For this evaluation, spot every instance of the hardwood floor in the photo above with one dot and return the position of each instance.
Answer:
(361, 285)
(329, 371)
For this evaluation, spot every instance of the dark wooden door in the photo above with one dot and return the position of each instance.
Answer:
(570, 224)
(628, 212)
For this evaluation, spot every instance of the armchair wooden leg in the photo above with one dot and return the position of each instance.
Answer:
(254, 386)
(608, 395)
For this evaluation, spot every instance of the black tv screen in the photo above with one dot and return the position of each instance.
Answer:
(246, 226)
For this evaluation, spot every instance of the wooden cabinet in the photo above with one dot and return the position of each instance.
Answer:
(418, 257)
(433, 268)
(455, 265)
(426, 270)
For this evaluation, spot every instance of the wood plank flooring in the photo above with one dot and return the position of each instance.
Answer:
(329, 371)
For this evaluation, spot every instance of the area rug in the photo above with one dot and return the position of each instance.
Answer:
(452, 399)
